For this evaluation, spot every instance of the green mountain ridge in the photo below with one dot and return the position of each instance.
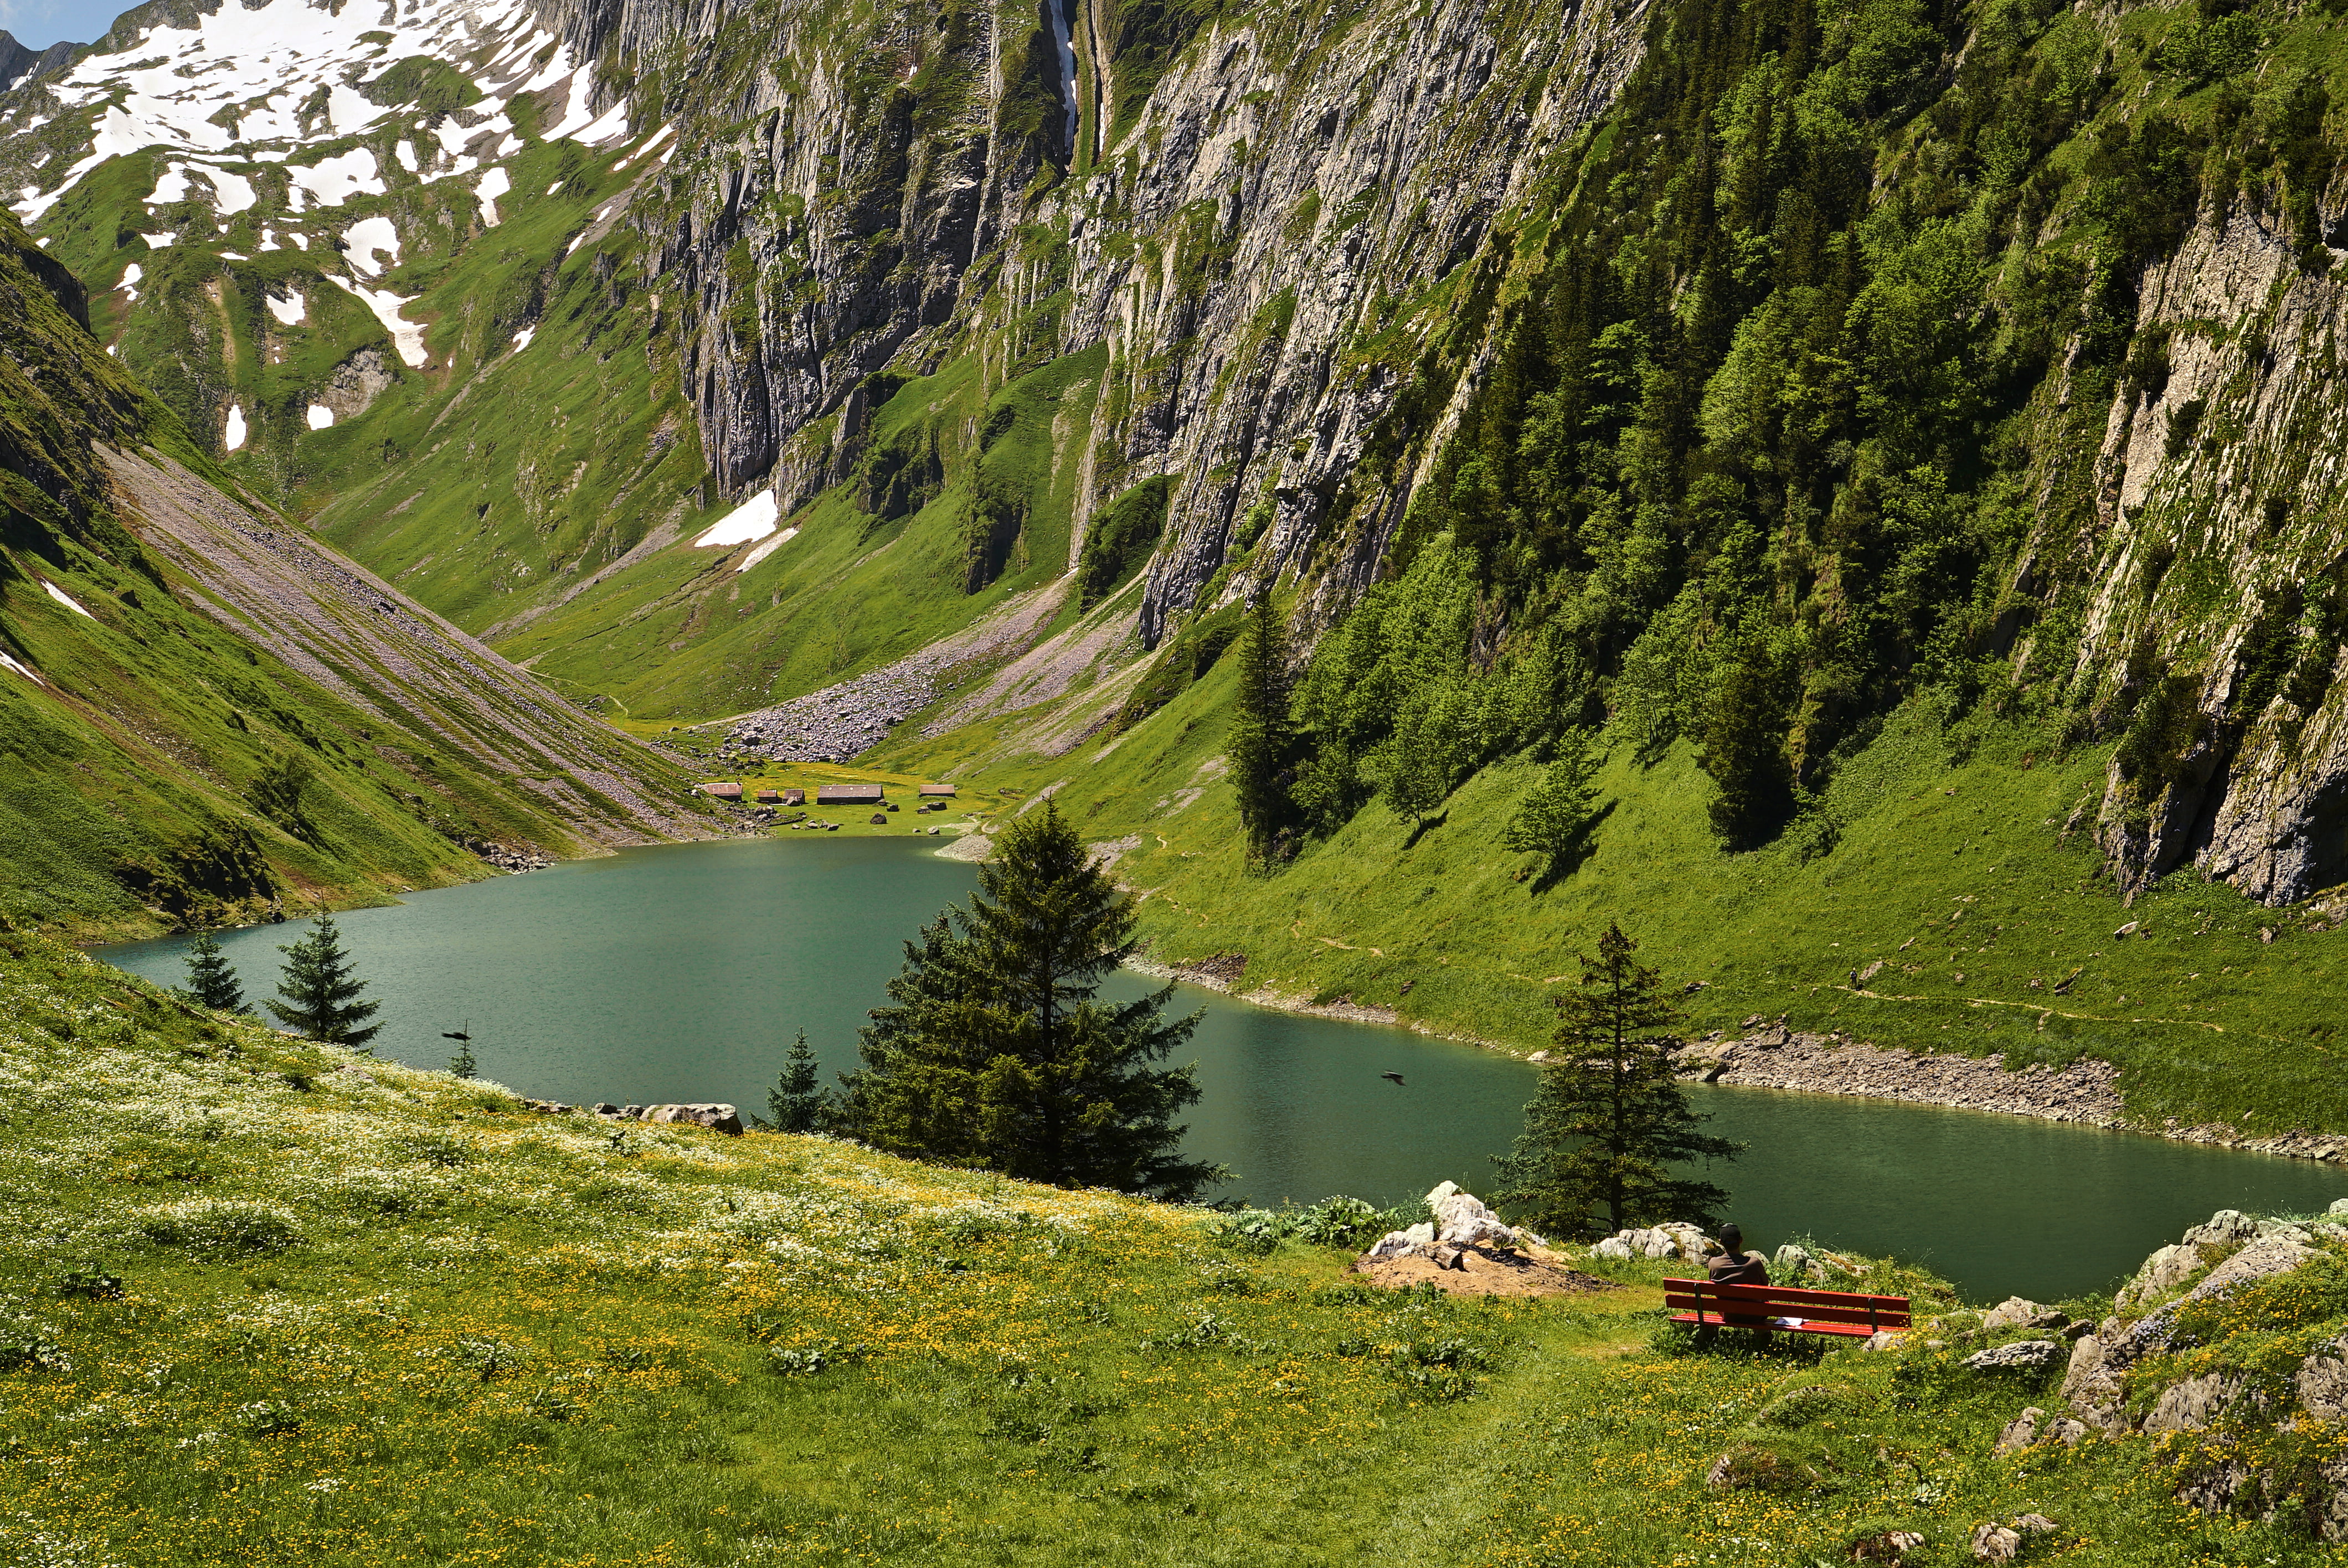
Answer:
(1808, 402)
(209, 719)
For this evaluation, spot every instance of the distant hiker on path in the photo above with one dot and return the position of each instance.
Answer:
(1733, 1265)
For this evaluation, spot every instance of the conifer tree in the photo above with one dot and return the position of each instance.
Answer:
(211, 979)
(1610, 1120)
(1263, 734)
(991, 1052)
(317, 995)
(797, 1101)
(1555, 813)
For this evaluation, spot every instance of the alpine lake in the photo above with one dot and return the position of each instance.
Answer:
(682, 972)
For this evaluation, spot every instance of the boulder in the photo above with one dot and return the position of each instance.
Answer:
(2022, 1356)
(716, 1117)
(2092, 1389)
(2019, 1433)
(2189, 1406)
(2015, 1312)
(2163, 1272)
(2323, 1381)
(1793, 1262)
(2331, 1517)
(1996, 1543)
(1394, 1243)
(1462, 1220)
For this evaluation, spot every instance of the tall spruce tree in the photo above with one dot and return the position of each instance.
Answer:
(993, 1053)
(317, 995)
(1610, 1120)
(797, 1101)
(1262, 734)
(211, 979)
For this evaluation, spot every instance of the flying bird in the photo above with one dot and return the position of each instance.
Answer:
(457, 1035)
(1390, 1077)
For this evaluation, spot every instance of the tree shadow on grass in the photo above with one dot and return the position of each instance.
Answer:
(1585, 845)
(1420, 828)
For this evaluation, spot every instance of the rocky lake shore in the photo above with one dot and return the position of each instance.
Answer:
(1771, 1056)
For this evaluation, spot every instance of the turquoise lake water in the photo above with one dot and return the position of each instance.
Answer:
(681, 973)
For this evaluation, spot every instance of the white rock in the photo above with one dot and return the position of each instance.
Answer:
(1394, 1243)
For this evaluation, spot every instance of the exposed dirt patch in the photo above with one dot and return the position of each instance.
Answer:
(1487, 1273)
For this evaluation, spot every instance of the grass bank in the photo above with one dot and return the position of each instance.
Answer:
(266, 1302)
(1940, 852)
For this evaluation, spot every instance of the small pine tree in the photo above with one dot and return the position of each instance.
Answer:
(211, 979)
(317, 997)
(1263, 734)
(1555, 813)
(1610, 1118)
(992, 1051)
(797, 1101)
(1745, 752)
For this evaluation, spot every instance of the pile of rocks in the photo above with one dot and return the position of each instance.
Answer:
(716, 1116)
(506, 856)
(1773, 1057)
(1673, 1238)
(1461, 1220)
(2237, 1250)
(839, 722)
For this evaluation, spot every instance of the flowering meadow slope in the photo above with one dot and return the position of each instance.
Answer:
(266, 1302)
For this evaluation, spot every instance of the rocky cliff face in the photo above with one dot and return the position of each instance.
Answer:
(1286, 243)
(2219, 604)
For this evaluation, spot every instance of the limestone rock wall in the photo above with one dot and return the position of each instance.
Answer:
(1250, 241)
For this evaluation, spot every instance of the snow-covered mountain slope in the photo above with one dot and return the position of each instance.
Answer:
(294, 84)
(196, 169)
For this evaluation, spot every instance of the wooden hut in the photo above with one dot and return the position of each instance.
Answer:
(722, 791)
(770, 797)
(937, 792)
(795, 797)
(847, 794)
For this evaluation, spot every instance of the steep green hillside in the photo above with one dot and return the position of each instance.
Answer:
(182, 749)
(265, 1302)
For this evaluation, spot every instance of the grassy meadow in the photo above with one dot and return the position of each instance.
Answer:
(1940, 852)
(264, 1302)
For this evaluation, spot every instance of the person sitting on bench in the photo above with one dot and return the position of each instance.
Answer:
(1733, 1265)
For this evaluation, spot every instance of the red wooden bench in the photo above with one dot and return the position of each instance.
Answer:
(1783, 1309)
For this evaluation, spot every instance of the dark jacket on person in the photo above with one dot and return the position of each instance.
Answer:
(1737, 1269)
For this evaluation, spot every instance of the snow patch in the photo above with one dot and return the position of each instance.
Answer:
(288, 311)
(321, 416)
(20, 670)
(406, 336)
(406, 153)
(753, 520)
(553, 188)
(234, 438)
(521, 338)
(62, 597)
(335, 180)
(366, 238)
(231, 192)
(157, 241)
(494, 184)
(769, 548)
(130, 276)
